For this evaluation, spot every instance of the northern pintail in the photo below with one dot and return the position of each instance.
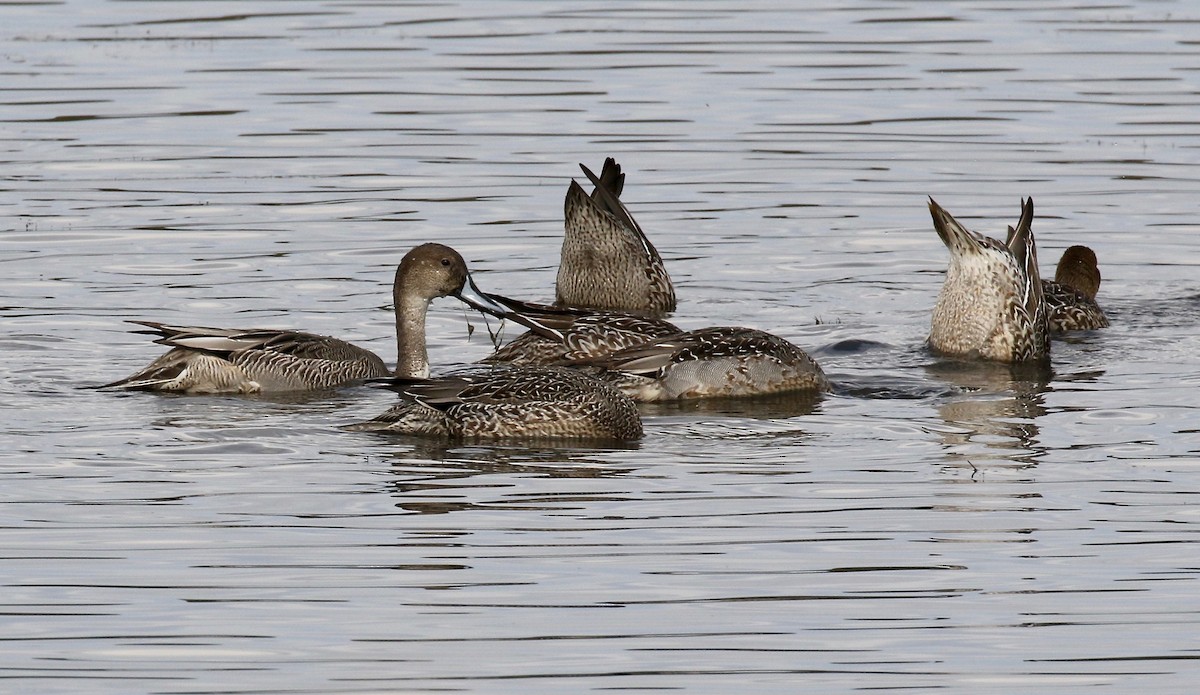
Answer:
(486, 402)
(707, 363)
(574, 334)
(508, 401)
(717, 362)
(256, 360)
(991, 304)
(607, 261)
(231, 360)
(1071, 295)
(252, 360)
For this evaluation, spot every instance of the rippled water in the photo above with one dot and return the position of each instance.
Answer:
(929, 526)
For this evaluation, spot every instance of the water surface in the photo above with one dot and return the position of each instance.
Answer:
(929, 526)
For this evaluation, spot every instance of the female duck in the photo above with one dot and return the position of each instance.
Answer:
(607, 261)
(1071, 296)
(567, 335)
(718, 362)
(507, 401)
(652, 362)
(991, 305)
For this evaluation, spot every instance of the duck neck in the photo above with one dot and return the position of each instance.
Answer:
(412, 360)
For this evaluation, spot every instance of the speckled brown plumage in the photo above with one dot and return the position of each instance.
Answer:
(581, 334)
(607, 262)
(1071, 297)
(715, 362)
(506, 401)
(991, 304)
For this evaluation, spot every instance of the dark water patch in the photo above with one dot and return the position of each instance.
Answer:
(893, 386)
(852, 346)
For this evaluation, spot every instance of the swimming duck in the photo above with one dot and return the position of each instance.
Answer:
(991, 305)
(607, 261)
(650, 362)
(232, 360)
(1071, 295)
(507, 401)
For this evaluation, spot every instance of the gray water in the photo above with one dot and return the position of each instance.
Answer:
(930, 526)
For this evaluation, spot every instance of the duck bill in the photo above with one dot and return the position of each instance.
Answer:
(477, 299)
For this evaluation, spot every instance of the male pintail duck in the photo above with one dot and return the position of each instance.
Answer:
(223, 360)
(607, 261)
(991, 304)
(507, 401)
(252, 360)
(707, 363)
(1071, 296)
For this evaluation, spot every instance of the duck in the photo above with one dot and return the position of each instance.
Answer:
(1071, 295)
(571, 334)
(991, 305)
(486, 401)
(204, 360)
(503, 401)
(714, 362)
(258, 361)
(607, 262)
(654, 361)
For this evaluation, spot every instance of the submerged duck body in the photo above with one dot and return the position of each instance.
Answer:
(607, 261)
(991, 305)
(652, 360)
(507, 401)
(717, 362)
(1071, 296)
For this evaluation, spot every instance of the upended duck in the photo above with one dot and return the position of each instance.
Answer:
(607, 261)
(991, 304)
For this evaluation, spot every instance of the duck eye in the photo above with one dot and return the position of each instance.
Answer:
(446, 261)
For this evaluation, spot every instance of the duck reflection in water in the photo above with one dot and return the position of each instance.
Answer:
(993, 414)
(433, 477)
